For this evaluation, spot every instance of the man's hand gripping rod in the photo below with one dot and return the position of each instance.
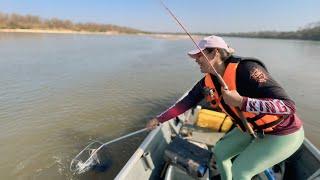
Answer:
(221, 81)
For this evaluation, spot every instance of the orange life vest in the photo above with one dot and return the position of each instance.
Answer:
(258, 122)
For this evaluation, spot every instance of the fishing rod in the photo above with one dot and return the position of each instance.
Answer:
(221, 81)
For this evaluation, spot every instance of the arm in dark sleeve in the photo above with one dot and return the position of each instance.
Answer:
(262, 93)
(193, 97)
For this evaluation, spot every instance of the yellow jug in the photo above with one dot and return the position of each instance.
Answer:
(216, 121)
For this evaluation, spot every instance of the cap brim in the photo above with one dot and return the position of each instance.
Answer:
(194, 52)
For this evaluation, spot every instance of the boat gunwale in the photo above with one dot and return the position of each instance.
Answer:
(137, 154)
(315, 151)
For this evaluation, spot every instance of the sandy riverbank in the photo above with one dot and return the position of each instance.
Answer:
(55, 31)
(58, 31)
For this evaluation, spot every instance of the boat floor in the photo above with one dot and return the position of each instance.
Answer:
(208, 138)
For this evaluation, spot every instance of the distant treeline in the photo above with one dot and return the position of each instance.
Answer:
(310, 32)
(16, 21)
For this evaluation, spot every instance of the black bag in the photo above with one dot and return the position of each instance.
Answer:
(187, 156)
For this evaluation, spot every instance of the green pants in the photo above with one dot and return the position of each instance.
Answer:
(253, 157)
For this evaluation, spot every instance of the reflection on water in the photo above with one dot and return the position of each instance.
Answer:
(61, 91)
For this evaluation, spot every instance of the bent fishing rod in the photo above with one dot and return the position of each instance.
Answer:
(221, 81)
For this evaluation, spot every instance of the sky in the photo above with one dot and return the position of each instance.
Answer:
(205, 16)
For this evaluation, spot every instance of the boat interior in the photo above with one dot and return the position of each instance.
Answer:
(181, 149)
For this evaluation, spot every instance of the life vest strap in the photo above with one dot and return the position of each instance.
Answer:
(222, 123)
(213, 81)
(273, 123)
(233, 115)
(255, 118)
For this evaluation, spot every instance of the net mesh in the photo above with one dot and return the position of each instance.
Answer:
(93, 155)
(87, 159)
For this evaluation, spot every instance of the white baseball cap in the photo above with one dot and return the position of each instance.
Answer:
(211, 42)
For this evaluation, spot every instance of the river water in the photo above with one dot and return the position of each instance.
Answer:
(58, 92)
